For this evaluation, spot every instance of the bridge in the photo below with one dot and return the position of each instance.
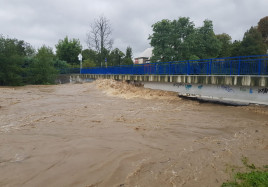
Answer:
(238, 80)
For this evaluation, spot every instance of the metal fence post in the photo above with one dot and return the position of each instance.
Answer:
(259, 67)
(239, 66)
(188, 67)
(231, 63)
(210, 66)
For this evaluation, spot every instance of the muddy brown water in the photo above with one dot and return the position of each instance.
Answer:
(112, 134)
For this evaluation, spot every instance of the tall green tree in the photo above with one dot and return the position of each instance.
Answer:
(42, 70)
(235, 48)
(90, 58)
(160, 40)
(252, 43)
(226, 43)
(180, 40)
(263, 29)
(12, 55)
(68, 50)
(89, 54)
(116, 57)
(207, 44)
(127, 60)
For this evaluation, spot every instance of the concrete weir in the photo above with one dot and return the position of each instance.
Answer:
(241, 90)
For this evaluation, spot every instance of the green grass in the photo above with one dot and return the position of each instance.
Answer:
(256, 177)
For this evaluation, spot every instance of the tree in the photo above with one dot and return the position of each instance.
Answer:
(12, 54)
(226, 43)
(99, 37)
(88, 63)
(252, 43)
(89, 54)
(127, 60)
(68, 50)
(181, 37)
(206, 43)
(180, 40)
(263, 29)
(235, 48)
(160, 40)
(115, 57)
(42, 70)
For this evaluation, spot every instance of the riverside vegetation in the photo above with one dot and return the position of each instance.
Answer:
(252, 177)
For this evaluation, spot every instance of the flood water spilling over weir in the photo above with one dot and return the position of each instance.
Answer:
(109, 133)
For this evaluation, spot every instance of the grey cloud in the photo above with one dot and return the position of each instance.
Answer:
(45, 22)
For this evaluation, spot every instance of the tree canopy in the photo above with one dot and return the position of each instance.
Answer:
(12, 55)
(252, 43)
(226, 43)
(263, 28)
(20, 64)
(179, 40)
(42, 70)
(68, 50)
(127, 60)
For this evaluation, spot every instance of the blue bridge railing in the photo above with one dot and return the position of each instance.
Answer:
(243, 65)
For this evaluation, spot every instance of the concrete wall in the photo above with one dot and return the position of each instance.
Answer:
(259, 81)
(222, 93)
(244, 89)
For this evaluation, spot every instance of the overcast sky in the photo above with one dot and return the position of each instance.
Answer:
(41, 22)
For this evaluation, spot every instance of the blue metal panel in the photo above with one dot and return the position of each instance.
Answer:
(244, 65)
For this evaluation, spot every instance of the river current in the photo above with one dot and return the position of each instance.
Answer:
(109, 133)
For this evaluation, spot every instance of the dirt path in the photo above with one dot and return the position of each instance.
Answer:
(112, 134)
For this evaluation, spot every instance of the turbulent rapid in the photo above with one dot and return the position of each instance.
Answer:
(109, 133)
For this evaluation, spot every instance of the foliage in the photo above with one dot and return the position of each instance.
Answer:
(180, 40)
(194, 57)
(226, 43)
(170, 39)
(60, 64)
(42, 70)
(115, 57)
(252, 43)
(90, 54)
(235, 48)
(263, 29)
(68, 50)
(207, 44)
(127, 60)
(12, 55)
(256, 177)
(88, 63)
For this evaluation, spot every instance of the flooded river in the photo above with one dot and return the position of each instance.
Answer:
(108, 133)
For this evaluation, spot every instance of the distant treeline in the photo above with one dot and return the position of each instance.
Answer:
(21, 64)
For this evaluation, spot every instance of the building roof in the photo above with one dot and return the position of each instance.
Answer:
(147, 53)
